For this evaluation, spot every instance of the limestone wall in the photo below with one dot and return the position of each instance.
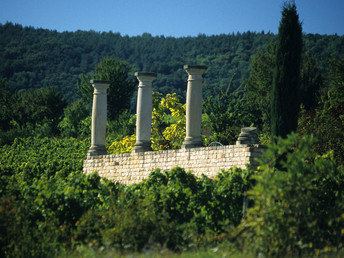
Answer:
(131, 168)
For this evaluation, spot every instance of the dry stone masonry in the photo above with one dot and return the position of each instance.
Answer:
(133, 167)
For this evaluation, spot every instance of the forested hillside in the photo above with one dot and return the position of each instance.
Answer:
(36, 58)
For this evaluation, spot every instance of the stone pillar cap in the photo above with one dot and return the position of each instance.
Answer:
(248, 129)
(145, 74)
(100, 82)
(199, 67)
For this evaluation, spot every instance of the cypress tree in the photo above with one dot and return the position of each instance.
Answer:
(286, 79)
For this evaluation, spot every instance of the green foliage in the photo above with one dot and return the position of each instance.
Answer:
(43, 194)
(298, 208)
(31, 113)
(5, 105)
(224, 109)
(72, 125)
(336, 81)
(34, 106)
(285, 103)
(171, 208)
(30, 158)
(204, 201)
(258, 87)
(311, 82)
(131, 228)
(50, 206)
(121, 87)
(327, 121)
(124, 125)
(20, 237)
(35, 58)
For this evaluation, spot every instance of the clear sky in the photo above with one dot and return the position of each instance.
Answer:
(171, 17)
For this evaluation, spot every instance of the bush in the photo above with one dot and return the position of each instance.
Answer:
(44, 192)
(298, 201)
(327, 121)
(49, 205)
(72, 125)
(124, 125)
(30, 158)
(171, 209)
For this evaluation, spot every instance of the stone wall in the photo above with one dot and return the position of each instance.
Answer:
(131, 168)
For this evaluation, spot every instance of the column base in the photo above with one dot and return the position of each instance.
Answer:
(192, 142)
(142, 146)
(97, 150)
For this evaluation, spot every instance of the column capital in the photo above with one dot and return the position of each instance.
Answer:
(100, 82)
(145, 76)
(100, 86)
(195, 69)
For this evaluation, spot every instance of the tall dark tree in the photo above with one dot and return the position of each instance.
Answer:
(285, 102)
(259, 85)
(120, 90)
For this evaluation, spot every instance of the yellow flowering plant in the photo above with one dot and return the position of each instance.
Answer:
(168, 125)
(122, 146)
(168, 121)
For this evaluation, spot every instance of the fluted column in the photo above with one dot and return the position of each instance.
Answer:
(99, 109)
(144, 111)
(193, 106)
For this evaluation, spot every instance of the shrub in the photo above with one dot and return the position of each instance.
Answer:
(172, 209)
(298, 201)
(50, 205)
(43, 194)
(72, 125)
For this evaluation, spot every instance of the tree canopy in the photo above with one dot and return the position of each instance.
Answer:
(121, 87)
(36, 58)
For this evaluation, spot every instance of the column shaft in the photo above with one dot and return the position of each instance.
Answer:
(144, 112)
(193, 106)
(99, 117)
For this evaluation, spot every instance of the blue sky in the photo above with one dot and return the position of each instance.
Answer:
(171, 17)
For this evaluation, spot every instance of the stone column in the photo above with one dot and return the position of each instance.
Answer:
(98, 133)
(193, 106)
(144, 111)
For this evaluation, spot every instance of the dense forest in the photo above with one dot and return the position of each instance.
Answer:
(36, 58)
(291, 204)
